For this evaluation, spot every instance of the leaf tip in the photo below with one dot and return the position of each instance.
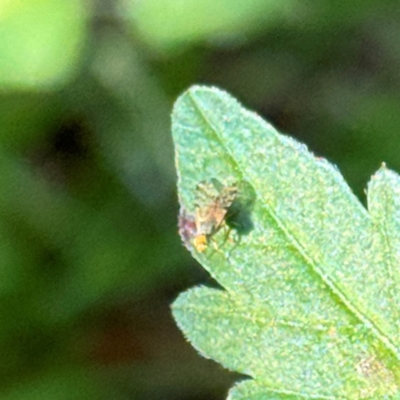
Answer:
(383, 177)
(384, 172)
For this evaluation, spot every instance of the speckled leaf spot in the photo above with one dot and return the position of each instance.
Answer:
(186, 228)
(212, 205)
(311, 306)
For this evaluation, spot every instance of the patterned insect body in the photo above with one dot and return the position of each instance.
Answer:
(211, 211)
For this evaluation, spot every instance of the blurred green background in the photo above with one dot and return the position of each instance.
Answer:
(90, 255)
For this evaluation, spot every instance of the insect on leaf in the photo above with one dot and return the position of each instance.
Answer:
(310, 306)
(212, 210)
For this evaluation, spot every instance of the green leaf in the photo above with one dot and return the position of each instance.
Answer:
(310, 306)
(41, 41)
(169, 23)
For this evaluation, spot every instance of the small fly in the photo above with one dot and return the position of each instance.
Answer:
(214, 201)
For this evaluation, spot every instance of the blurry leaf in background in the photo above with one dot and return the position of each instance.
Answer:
(169, 23)
(133, 129)
(59, 384)
(40, 41)
(25, 118)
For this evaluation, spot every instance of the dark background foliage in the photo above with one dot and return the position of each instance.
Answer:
(90, 255)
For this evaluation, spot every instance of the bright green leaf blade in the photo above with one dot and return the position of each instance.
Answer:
(40, 41)
(313, 259)
(250, 390)
(384, 208)
(166, 23)
(293, 356)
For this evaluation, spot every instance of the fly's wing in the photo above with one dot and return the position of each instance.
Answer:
(227, 196)
(206, 197)
(206, 194)
(214, 192)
